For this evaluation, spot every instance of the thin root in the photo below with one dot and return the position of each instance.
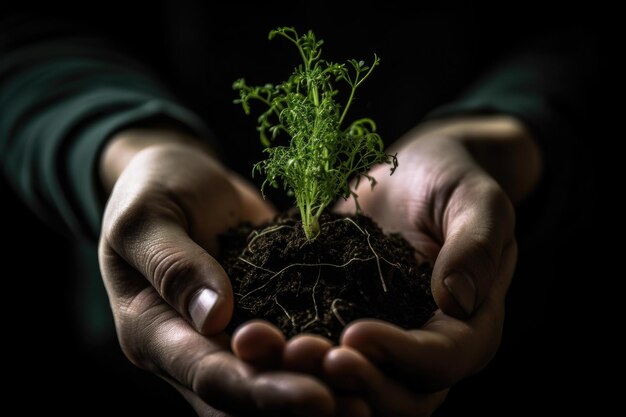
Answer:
(275, 274)
(271, 229)
(317, 314)
(290, 317)
(376, 255)
(333, 308)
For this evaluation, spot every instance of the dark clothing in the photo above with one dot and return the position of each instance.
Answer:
(71, 77)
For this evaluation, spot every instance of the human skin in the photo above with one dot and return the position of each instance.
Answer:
(169, 198)
(446, 202)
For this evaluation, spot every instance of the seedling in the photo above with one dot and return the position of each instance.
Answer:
(324, 153)
(341, 268)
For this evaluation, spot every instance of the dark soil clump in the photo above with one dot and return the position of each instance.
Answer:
(350, 270)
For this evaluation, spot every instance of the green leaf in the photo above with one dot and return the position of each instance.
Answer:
(321, 158)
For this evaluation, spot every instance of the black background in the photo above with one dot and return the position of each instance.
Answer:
(551, 342)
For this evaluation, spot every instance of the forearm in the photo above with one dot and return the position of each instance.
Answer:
(61, 101)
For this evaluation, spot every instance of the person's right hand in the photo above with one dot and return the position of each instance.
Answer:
(169, 199)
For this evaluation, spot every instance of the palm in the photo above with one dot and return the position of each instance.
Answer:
(414, 201)
(457, 218)
(159, 234)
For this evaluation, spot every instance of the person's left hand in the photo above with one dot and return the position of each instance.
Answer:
(453, 212)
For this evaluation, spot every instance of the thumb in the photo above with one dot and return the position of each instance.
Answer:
(181, 271)
(478, 224)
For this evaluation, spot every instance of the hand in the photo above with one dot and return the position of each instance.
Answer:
(443, 200)
(169, 200)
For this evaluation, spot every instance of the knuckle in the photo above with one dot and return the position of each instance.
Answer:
(491, 228)
(139, 321)
(496, 202)
(502, 206)
(125, 224)
(129, 346)
(210, 377)
(130, 333)
(167, 267)
(486, 254)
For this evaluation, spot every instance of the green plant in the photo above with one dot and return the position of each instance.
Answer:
(321, 158)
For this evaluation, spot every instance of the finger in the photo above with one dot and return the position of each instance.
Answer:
(305, 354)
(277, 393)
(477, 223)
(446, 349)
(352, 371)
(293, 393)
(184, 274)
(227, 383)
(161, 226)
(155, 337)
(260, 344)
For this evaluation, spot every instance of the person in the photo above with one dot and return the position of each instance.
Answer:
(97, 146)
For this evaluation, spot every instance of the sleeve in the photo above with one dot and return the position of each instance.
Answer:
(553, 86)
(547, 84)
(550, 85)
(60, 99)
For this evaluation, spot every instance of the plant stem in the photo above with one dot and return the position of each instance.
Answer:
(314, 227)
(356, 85)
(345, 109)
(320, 158)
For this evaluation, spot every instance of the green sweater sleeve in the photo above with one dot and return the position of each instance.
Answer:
(60, 100)
(552, 86)
(547, 84)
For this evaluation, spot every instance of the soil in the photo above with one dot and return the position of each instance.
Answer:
(351, 270)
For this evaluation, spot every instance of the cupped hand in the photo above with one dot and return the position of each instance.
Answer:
(444, 201)
(170, 297)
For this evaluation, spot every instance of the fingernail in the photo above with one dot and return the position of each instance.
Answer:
(201, 305)
(463, 290)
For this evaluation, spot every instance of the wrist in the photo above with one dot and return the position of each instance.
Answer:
(124, 145)
(500, 144)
